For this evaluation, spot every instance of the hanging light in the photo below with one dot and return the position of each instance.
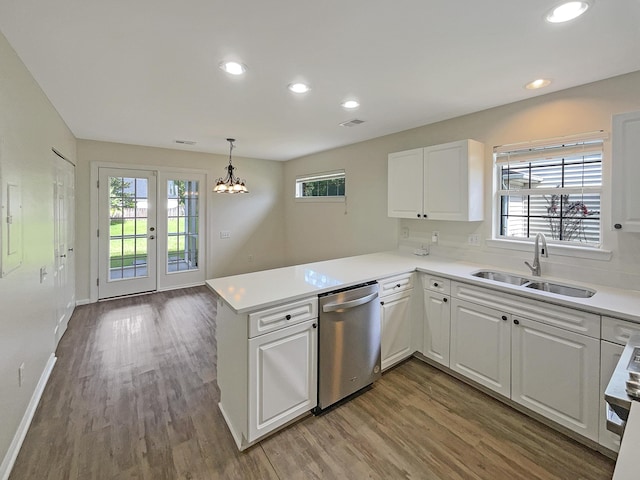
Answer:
(230, 183)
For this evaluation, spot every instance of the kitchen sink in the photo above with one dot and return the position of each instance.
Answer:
(501, 277)
(557, 288)
(561, 289)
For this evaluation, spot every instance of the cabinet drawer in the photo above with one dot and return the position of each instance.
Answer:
(281, 316)
(396, 284)
(570, 319)
(618, 331)
(436, 284)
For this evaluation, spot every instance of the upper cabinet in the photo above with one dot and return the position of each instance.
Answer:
(441, 182)
(626, 171)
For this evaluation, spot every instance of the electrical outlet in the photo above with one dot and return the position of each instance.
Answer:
(224, 234)
(404, 232)
(20, 374)
(434, 237)
(474, 239)
(250, 258)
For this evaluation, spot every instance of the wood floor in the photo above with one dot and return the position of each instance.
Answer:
(134, 396)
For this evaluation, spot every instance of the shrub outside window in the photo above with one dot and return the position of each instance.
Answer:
(321, 186)
(551, 188)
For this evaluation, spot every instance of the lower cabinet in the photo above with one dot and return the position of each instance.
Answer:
(555, 373)
(610, 353)
(282, 377)
(481, 345)
(437, 325)
(397, 328)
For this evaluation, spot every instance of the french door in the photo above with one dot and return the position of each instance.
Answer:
(151, 231)
(127, 232)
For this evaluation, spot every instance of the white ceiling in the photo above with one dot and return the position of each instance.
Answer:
(146, 71)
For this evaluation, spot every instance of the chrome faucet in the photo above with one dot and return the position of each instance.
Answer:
(535, 268)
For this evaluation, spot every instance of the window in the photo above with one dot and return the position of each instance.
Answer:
(321, 186)
(182, 225)
(551, 187)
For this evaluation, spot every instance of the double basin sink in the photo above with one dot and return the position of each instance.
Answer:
(544, 286)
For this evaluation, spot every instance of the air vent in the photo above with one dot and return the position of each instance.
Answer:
(186, 142)
(351, 123)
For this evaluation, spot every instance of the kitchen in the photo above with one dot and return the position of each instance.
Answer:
(269, 225)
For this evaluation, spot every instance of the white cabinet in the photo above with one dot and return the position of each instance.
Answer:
(555, 373)
(481, 345)
(610, 353)
(267, 367)
(440, 182)
(437, 319)
(282, 377)
(396, 318)
(625, 172)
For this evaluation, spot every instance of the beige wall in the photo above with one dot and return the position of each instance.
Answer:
(323, 231)
(29, 128)
(255, 220)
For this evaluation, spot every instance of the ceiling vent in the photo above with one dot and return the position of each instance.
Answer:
(186, 142)
(351, 123)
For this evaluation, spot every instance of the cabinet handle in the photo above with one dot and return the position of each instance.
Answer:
(314, 325)
(418, 215)
(381, 303)
(398, 285)
(435, 284)
(516, 322)
(445, 300)
(504, 317)
(288, 317)
(424, 215)
(617, 226)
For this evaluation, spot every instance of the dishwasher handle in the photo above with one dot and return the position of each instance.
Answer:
(332, 307)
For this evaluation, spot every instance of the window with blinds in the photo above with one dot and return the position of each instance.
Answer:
(551, 187)
(330, 185)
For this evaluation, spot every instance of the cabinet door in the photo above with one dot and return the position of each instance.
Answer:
(481, 345)
(556, 373)
(395, 316)
(404, 192)
(453, 181)
(610, 353)
(626, 171)
(437, 324)
(282, 377)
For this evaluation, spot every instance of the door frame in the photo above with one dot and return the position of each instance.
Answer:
(94, 220)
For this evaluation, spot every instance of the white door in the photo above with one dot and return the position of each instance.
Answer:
(395, 316)
(64, 243)
(555, 373)
(181, 229)
(127, 232)
(481, 345)
(282, 376)
(445, 186)
(437, 325)
(404, 194)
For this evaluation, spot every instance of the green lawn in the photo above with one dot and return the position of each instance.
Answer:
(123, 251)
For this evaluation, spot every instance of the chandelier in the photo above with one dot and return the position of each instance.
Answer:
(230, 183)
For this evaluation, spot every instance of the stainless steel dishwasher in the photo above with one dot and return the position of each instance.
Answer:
(349, 342)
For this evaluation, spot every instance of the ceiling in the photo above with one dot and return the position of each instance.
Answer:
(146, 72)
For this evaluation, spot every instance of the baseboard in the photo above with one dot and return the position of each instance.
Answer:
(84, 301)
(178, 287)
(18, 438)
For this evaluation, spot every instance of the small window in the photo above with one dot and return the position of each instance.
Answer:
(322, 186)
(551, 188)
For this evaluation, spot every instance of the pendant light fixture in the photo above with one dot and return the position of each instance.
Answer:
(230, 183)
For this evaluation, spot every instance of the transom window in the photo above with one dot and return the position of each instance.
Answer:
(551, 187)
(321, 186)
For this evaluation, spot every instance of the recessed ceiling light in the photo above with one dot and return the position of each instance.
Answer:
(350, 104)
(539, 83)
(299, 87)
(567, 11)
(233, 68)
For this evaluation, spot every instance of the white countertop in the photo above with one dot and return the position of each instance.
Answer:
(253, 291)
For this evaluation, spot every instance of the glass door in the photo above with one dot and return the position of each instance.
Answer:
(127, 233)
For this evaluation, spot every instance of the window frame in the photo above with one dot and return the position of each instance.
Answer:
(317, 177)
(530, 151)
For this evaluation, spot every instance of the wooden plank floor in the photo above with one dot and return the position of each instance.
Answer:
(134, 396)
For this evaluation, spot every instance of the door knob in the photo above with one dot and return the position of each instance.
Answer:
(152, 229)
